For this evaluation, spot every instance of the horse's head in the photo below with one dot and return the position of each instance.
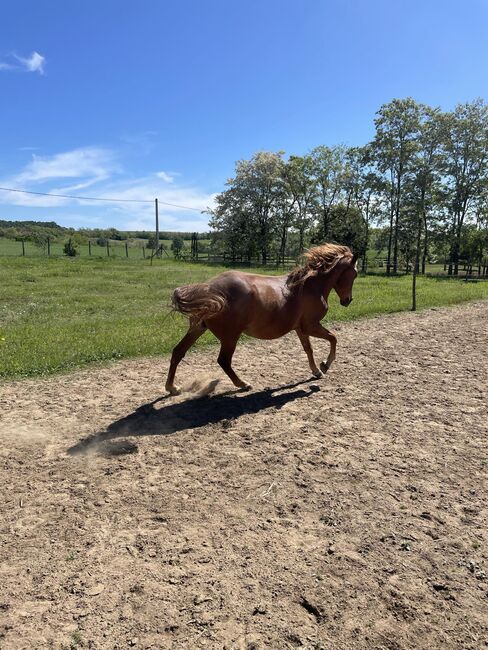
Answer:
(348, 273)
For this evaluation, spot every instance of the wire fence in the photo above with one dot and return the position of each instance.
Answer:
(120, 249)
(139, 250)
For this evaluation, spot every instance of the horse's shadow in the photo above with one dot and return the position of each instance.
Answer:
(193, 413)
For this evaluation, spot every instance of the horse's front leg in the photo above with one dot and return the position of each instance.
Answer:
(305, 341)
(319, 331)
(224, 359)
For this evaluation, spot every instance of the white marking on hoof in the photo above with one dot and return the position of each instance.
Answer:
(324, 367)
(245, 386)
(317, 374)
(173, 390)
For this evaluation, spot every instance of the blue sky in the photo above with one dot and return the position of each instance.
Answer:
(159, 98)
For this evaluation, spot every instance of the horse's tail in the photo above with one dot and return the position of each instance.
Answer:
(198, 301)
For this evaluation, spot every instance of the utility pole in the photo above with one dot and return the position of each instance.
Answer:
(157, 226)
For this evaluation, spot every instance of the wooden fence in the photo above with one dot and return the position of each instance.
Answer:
(439, 267)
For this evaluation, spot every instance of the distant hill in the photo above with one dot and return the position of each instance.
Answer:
(35, 230)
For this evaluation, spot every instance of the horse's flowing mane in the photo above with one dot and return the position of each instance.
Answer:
(320, 259)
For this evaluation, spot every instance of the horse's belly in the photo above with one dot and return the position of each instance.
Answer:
(269, 329)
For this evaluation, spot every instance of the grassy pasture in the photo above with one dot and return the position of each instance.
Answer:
(11, 248)
(58, 314)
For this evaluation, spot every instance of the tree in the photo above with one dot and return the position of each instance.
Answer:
(249, 204)
(177, 247)
(394, 145)
(367, 189)
(302, 189)
(70, 249)
(424, 187)
(40, 239)
(328, 169)
(465, 166)
(349, 228)
(233, 226)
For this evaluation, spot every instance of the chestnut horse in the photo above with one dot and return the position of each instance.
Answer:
(266, 307)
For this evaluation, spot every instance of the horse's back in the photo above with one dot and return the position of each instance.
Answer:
(258, 305)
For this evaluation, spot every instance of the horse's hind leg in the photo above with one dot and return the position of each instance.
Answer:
(227, 350)
(320, 332)
(194, 333)
(305, 341)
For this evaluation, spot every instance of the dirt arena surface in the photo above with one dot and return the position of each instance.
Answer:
(343, 513)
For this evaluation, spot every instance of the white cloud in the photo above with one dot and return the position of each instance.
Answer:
(168, 178)
(33, 63)
(88, 165)
(95, 162)
(97, 168)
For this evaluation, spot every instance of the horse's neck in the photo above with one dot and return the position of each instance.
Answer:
(325, 283)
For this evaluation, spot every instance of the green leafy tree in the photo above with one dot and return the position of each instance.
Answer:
(328, 168)
(302, 190)
(177, 247)
(394, 145)
(465, 166)
(70, 248)
(247, 209)
(367, 188)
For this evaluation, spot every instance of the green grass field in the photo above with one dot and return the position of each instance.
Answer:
(11, 248)
(58, 314)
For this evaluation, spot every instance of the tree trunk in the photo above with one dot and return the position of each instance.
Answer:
(457, 247)
(426, 245)
(451, 249)
(284, 237)
(390, 236)
(416, 264)
(397, 218)
(302, 237)
(364, 263)
(395, 244)
(325, 223)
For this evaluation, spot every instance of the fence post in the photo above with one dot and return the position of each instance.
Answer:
(23, 248)
(126, 249)
(108, 249)
(143, 251)
(48, 246)
(89, 247)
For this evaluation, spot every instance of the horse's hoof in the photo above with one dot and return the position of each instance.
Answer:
(324, 367)
(317, 374)
(245, 386)
(173, 390)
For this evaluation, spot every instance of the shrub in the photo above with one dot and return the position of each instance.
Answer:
(70, 249)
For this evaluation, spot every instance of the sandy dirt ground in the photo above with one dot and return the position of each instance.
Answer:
(343, 513)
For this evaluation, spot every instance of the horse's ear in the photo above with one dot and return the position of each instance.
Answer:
(354, 259)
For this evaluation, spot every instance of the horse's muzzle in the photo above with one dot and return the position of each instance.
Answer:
(345, 302)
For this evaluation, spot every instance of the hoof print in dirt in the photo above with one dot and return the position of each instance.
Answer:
(312, 609)
(118, 448)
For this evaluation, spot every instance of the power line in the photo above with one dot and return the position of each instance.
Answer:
(68, 196)
(97, 198)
